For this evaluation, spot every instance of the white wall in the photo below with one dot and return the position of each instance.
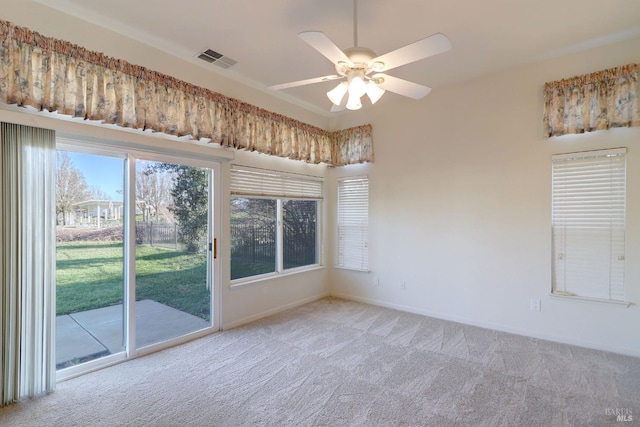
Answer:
(242, 303)
(460, 207)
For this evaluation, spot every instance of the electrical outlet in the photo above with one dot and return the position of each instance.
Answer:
(265, 290)
(403, 285)
(376, 281)
(535, 304)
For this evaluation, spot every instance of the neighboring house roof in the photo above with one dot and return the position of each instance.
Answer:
(94, 203)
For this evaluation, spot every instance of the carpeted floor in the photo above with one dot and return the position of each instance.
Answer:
(341, 363)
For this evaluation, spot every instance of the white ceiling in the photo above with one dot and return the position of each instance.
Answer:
(487, 35)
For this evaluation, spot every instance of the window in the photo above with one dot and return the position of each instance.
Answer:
(299, 219)
(588, 224)
(274, 221)
(353, 223)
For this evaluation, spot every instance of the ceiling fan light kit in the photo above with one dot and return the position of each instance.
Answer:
(354, 102)
(337, 93)
(374, 92)
(357, 86)
(356, 63)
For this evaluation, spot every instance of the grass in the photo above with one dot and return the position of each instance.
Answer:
(90, 275)
(240, 269)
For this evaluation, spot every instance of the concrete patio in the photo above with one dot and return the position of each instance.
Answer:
(92, 334)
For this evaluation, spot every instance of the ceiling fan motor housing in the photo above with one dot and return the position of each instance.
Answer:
(359, 57)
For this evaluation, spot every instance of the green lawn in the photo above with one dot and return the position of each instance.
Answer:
(89, 275)
(240, 269)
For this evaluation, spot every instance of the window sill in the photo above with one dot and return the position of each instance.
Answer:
(357, 270)
(238, 283)
(624, 304)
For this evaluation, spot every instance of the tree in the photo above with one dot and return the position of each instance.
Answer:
(71, 186)
(191, 205)
(153, 192)
(98, 194)
(299, 224)
(259, 212)
(190, 195)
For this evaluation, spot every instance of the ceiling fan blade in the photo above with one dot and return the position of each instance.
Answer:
(322, 43)
(304, 82)
(400, 86)
(416, 51)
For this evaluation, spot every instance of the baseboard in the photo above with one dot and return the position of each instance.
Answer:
(489, 325)
(258, 316)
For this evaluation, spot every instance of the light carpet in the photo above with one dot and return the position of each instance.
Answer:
(342, 363)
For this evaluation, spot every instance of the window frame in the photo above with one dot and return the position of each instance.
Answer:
(267, 191)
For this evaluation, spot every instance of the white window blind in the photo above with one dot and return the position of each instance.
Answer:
(255, 182)
(588, 224)
(353, 223)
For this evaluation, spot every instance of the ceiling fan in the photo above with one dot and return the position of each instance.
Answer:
(361, 69)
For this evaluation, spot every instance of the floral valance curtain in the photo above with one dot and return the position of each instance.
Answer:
(55, 75)
(602, 100)
(352, 144)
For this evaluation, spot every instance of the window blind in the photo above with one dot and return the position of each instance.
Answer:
(353, 223)
(255, 182)
(588, 223)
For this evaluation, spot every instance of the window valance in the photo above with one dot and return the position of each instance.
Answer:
(602, 100)
(55, 75)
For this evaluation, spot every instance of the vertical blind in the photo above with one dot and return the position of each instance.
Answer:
(27, 262)
(256, 182)
(588, 224)
(353, 223)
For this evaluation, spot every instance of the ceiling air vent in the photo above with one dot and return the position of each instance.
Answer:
(213, 57)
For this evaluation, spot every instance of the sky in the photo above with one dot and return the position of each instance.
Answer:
(107, 173)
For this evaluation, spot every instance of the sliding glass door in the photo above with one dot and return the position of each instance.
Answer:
(135, 253)
(172, 259)
(90, 257)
